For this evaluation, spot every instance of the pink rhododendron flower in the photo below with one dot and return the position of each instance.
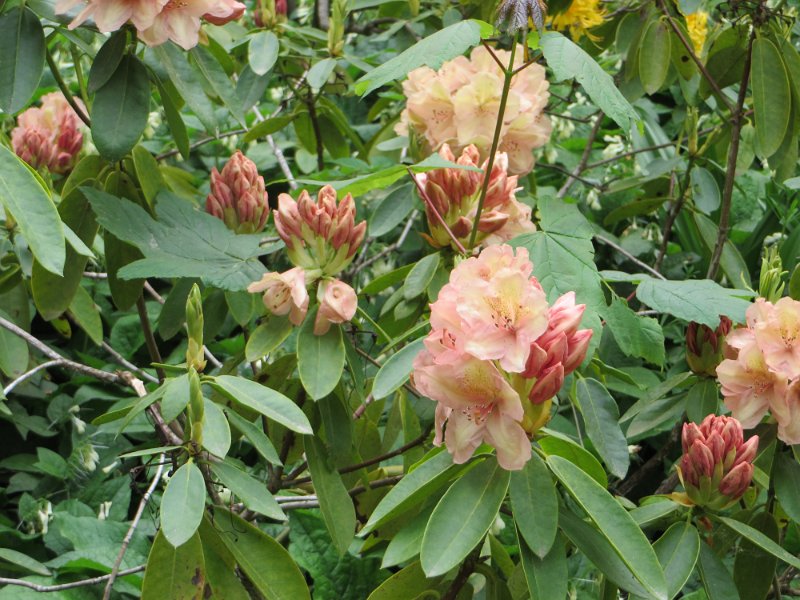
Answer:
(454, 195)
(778, 336)
(459, 103)
(49, 136)
(110, 15)
(337, 304)
(284, 293)
(787, 413)
(238, 196)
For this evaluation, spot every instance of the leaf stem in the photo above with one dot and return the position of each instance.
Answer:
(65, 89)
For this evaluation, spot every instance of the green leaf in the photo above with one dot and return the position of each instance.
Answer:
(334, 500)
(410, 582)
(107, 60)
(175, 398)
(174, 572)
(120, 109)
(183, 504)
(753, 569)
(266, 401)
(535, 503)
(761, 540)
(431, 51)
(601, 417)
(566, 448)
(772, 97)
(174, 121)
(395, 371)
(24, 561)
(407, 542)
(733, 265)
(213, 73)
(265, 562)
(24, 197)
(221, 571)
(320, 358)
(569, 61)
(420, 276)
(547, 576)
(253, 493)
(635, 335)
(677, 551)
(148, 174)
(263, 51)
(614, 523)
(22, 48)
(430, 474)
(13, 351)
(717, 581)
(654, 56)
(705, 191)
(786, 479)
(184, 242)
(319, 73)
(87, 315)
(268, 127)
(702, 400)
(267, 336)
(391, 210)
(700, 300)
(216, 432)
(463, 516)
(255, 436)
(52, 293)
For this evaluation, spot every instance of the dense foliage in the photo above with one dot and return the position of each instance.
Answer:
(353, 299)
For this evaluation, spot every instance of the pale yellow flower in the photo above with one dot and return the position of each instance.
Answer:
(697, 24)
(579, 18)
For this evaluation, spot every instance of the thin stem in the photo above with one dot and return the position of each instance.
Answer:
(28, 374)
(730, 169)
(508, 74)
(587, 151)
(629, 256)
(149, 338)
(673, 215)
(68, 586)
(64, 89)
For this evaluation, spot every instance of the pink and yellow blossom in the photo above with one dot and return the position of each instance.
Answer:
(337, 304)
(284, 293)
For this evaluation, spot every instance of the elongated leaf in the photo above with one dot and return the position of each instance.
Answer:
(183, 504)
(107, 60)
(677, 551)
(268, 127)
(761, 540)
(22, 48)
(702, 400)
(772, 98)
(320, 358)
(255, 436)
(569, 61)
(717, 581)
(267, 336)
(786, 479)
(601, 417)
(432, 51)
(120, 109)
(187, 82)
(732, 262)
(265, 562)
(267, 401)
(395, 370)
(654, 56)
(334, 500)
(635, 335)
(754, 569)
(24, 197)
(174, 572)
(23, 560)
(406, 544)
(174, 121)
(700, 300)
(148, 174)
(535, 504)
(615, 523)
(263, 52)
(547, 576)
(463, 516)
(319, 73)
(420, 276)
(410, 582)
(253, 493)
(86, 314)
(216, 432)
(561, 446)
(218, 80)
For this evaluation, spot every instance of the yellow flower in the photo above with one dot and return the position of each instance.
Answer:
(581, 16)
(697, 23)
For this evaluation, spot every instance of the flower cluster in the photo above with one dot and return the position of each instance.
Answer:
(49, 137)
(579, 18)
(238, 195)
(704, 346)
(717, 464)
(697, 25)
(321, 238)
(452, 201)
(156, 21)
(762, 370)
(496, 355)
(458, 105)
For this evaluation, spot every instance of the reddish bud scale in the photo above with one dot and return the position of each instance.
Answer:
(704, 346)
(238, 195)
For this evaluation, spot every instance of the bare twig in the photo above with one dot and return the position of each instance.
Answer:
(134, 523)
(28, 374)
(128, 364)
(68, 586)
(629, 256)
(149, 338)
(391, 247)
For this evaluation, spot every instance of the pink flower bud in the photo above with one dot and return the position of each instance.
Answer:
(238, 195)
(338, 303)
(284, 293)
(704, 346)
(716, 466)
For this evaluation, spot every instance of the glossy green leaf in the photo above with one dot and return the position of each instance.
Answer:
(37, 218)
(107, 60)
(772, 98)
(702, 400)
(615, 523)
(266, 401)
(267, 337)
(700, 300)
(420, 276)
(463, 516)
(148, 174)
(22, 48)
(266, 563)
(566, 448)
(601, 418)
(253, 493)
(654, 56)
(216, 78)
(334, 500)
(407, 542)
(677, 551)
(786, 479)
(396, 370)
(174, 121)
(547, 575)
(255, 436)
(268, 127)
(188, 83)
(23, 560)
(705, 191)
(183, 504)
(717, 581)
(216, 432)
(176, 397)
(534, 501)
(120, 109)
(263, 52)
(761, 540)
(86, 314)
(319, 73)
(320, 358)
(391, 210)
(410, 582)
(174, 572)
(753, 569)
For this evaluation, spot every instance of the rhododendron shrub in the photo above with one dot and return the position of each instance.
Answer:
(365, 300)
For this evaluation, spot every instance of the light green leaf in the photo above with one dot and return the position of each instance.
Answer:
(24, 197)
(717, 581)
(319, 73)
(601, 417)
(614, 522)
(24, 561)
(547, 576)
(772, 99)
(263, 52)
(705, 191)
(149, 175)
(463, 516)
(391, 210)
(174, 572)
(407, 542)
(87, 315)
(253, 493)
(761, 540)
(677, 551)
(213, 73)
(395, 370)
(731, 261)
(267, 336)
(700, 300)
(183, 504)
(420, 276)
(786, 480)
(410, 582)
(635, 335)
(255, 436)
(216, 432)
(13, 351)
(268, 127)
(654, 56)
(320, 358)
(559, 445)
(22, 48)
(176, 397)
(535, 504)
(266, 401)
